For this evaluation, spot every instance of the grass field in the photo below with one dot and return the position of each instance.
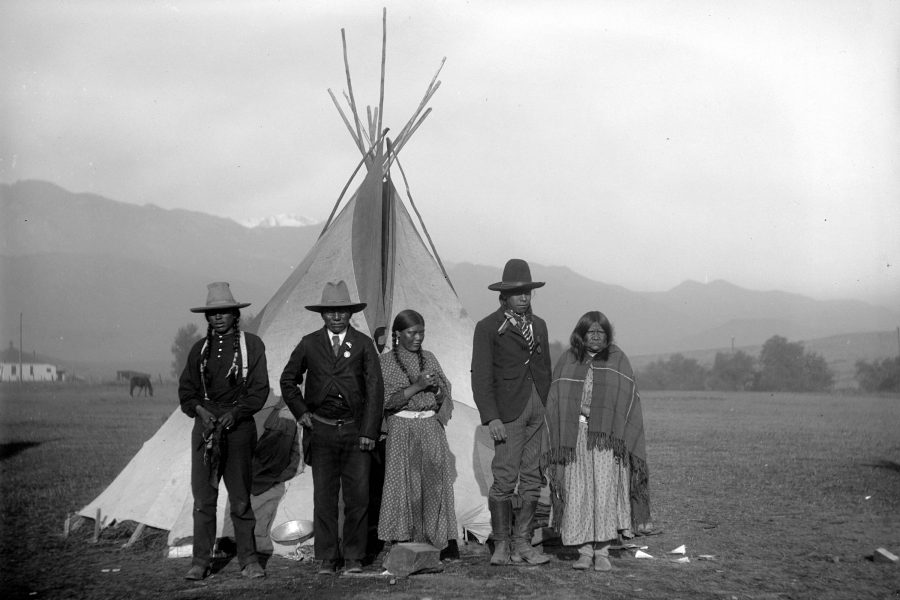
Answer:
(790, 494)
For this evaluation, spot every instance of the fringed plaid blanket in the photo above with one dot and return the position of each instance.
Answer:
(616, 422)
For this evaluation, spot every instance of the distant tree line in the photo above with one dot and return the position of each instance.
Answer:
(185, 339)
(781, 366)
(189, 335)
(879, 375)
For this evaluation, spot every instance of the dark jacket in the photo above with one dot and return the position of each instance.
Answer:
(503, 370)
(355, 374)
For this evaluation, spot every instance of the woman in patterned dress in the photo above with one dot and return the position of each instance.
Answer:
(597, 458)
(417, 502)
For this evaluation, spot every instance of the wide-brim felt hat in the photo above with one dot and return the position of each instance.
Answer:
(219, 297)
(516, 276)
(336, 296)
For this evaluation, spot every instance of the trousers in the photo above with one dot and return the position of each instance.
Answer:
(235, 470)
(516, 463)
(339, 467)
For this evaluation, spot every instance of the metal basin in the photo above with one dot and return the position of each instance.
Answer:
(292, 531)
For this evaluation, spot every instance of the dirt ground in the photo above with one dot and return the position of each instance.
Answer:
(789, 494)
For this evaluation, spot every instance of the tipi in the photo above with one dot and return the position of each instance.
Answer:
(374, 245)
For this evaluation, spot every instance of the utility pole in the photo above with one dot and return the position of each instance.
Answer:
(20, 347)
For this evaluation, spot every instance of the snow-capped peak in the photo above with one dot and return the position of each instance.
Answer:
(282, 220)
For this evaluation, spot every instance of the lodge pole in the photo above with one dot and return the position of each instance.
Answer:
(96, 537)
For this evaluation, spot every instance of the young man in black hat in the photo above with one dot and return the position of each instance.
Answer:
(510, 381)
(340, 409)
(224, 383)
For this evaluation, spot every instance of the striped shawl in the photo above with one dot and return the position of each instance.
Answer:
(616, 422)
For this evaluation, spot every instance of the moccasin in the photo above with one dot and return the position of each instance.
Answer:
(601, 563)
(196, 573)
(583, 563)
(253, 571)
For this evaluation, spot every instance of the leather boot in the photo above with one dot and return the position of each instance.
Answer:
(523, 551)
(501, 516)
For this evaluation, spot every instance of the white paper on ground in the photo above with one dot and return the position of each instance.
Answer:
(183, 551)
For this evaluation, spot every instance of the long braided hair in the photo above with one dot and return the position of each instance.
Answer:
(235, 369)
(404, 320)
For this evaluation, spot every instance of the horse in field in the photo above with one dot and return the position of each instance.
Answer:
(142, 383)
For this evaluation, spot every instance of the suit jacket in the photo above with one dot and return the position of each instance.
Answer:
(503, 370)
(355, 374)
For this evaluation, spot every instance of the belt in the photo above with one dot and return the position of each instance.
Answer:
(333, 422)
(413, 414)
(208, 402)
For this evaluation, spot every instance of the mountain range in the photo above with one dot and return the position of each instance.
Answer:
(99, 282)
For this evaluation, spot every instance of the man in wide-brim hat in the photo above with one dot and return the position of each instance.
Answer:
(224, 383)
(336, 297)
(516, 278)
(510, 381)
(340, 409)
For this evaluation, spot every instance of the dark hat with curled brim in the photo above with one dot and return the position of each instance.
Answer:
(218, 297)
(516, 277)
(336, 296)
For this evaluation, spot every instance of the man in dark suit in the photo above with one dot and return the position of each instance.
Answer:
(340, 409)
(510, 381)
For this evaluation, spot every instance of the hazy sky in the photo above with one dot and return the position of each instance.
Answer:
(639, 143)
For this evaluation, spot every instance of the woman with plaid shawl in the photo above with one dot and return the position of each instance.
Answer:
(597, 462)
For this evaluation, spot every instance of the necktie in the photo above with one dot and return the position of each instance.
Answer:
(335, 344)
(525, 326)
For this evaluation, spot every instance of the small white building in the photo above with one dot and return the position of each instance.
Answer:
(34, 368)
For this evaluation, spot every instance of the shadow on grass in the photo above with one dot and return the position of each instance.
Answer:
(890, 465)
(10, 449)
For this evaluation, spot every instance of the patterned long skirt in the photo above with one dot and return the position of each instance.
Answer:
(597, 495)
(417, 502)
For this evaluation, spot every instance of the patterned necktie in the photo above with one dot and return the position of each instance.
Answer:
(525, 326)
(335, 344)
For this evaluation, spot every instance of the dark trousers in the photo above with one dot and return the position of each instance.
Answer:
(235, 469)
(338, 465)
(376, 488)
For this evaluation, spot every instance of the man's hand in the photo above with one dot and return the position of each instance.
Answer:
(305, 420)
(207, 417)
(498, 430)
(227, 420)
(366, 444)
